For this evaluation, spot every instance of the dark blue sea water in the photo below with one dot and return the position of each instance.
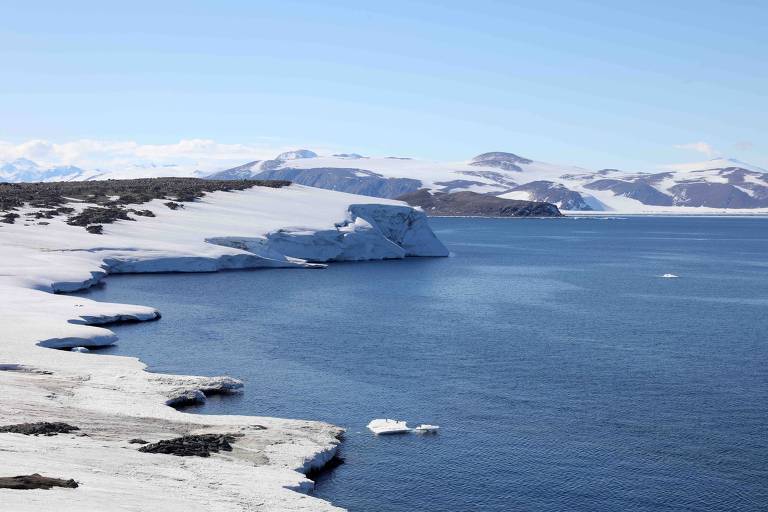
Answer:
(566, 374)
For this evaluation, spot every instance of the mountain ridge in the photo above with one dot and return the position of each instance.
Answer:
(720, 185)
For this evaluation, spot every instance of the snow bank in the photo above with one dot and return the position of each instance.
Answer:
(113, 399)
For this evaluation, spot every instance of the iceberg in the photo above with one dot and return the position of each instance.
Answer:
(386, 426)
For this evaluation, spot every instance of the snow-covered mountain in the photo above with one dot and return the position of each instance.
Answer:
(702, 187)
(24, 170)
(713, 186)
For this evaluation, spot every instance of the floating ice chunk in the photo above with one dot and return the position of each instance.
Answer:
(384, 426)
(426, 428)
(79, 349)
(668, 276)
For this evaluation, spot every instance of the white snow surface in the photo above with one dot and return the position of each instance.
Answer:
(113, 399)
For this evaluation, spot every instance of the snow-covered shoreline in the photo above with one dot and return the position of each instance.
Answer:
(113, 399)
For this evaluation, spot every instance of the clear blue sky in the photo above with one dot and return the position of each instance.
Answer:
(594, 83)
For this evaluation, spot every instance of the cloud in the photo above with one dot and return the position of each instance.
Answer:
(182, 157)
(701, 147)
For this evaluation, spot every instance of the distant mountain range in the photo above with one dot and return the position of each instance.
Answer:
(719, 184)
(23, 170)
(703, 187)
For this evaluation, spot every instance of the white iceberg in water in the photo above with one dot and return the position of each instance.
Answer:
(426, 428)
(669, 276)
(385, 426)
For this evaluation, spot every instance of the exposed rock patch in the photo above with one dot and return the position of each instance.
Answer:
(556, 193)
(638, 190)
(111, 196)
(500, 160)
(173, 205)
(35, 481)
(9, 218)
(477, 205)
(44, 428)
(196, 445)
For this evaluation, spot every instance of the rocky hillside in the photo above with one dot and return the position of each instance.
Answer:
(104, 202)
(472, 204)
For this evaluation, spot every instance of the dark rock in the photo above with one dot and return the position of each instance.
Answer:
(551, 192)
(198, 445)
(638, 190)
(500, 160)
(9, 218)
(138, 441)
(95, 215)
(173, 205)
(713, 195)
(40, 428)
(477, 205)
(35, 481)
(45, 214)
(142, 213)
(95, 229)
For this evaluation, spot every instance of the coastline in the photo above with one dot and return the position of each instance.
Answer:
(113, 399)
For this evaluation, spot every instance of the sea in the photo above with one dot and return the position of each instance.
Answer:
(565, 373)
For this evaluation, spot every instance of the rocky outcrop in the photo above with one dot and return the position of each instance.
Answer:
(639, 190)
(713, 195)
(500, 160)
(472, 204)
(197, 445)
(43, 428)
(35, 481)
(350, 180)
(555, 193)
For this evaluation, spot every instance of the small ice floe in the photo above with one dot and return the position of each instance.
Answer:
(384, 426)
(426, 428)
(79, 349)
(669, 276)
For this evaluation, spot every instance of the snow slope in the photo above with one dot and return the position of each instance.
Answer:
(112, 399)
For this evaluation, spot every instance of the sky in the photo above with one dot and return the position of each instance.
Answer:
(630, 85)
